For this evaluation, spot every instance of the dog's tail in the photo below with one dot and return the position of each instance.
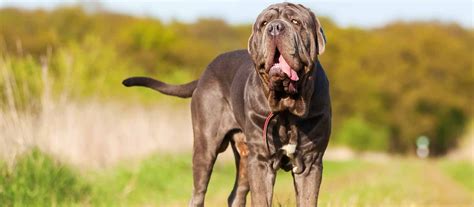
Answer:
(183, 91)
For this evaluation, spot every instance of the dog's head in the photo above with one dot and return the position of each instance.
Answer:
(285, 43)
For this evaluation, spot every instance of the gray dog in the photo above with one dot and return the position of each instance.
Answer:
(270, 102)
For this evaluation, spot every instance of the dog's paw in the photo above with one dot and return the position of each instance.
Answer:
(297, 170)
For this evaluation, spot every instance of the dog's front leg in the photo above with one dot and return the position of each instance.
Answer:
(307, 183)
(261, 176)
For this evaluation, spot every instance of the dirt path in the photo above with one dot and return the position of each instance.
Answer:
(445, 191)
(398, 182)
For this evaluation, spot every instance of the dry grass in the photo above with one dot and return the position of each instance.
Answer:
(96, 134)
(87, 133)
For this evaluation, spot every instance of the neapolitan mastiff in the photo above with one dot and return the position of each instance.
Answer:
(277, 84)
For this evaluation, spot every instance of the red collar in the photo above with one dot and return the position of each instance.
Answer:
(265, 128)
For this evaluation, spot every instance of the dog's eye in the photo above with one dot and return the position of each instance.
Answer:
(294, 21)
(264, 23)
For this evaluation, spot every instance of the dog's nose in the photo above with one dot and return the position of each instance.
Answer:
(275, 28)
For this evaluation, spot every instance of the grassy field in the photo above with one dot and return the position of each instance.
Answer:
(165, 180)
(87, 147)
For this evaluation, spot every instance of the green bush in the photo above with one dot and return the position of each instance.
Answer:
(77, 71)
(38, 180)
(358, 134)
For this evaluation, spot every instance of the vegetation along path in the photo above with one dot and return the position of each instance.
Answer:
(166, 180)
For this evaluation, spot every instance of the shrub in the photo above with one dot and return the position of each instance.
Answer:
(38, 180)
(358, 134)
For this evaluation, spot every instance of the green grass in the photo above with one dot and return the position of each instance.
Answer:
(38, 180)
(166, 180)
(158, 180)
(461, 171)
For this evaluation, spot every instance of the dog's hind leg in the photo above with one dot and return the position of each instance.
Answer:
(241, 186)
(211, 122)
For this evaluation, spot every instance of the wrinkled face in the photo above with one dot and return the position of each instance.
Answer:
(284, 45)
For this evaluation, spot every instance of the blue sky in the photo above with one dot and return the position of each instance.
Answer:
(365, 13)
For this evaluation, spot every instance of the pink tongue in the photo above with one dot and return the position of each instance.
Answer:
(287, 69)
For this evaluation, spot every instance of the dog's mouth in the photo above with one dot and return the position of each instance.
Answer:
(283, 77)
(279, 63)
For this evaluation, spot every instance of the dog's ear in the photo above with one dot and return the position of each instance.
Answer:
(252, 45)
(319, 38)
